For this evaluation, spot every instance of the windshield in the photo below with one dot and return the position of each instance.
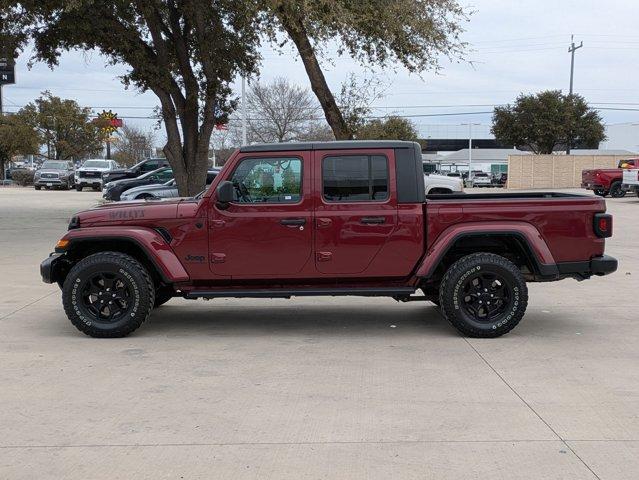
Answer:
(53, 165)
(95, 164)
(168, 171)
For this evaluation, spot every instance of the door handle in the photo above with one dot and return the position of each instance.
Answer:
(293, 222)
(373, 220)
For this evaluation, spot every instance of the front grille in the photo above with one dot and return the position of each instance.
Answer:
(91, 174)
(50, 175)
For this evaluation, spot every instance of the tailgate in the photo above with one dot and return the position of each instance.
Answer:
(589, 177)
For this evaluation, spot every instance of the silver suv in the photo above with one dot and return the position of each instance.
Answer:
(54, 174)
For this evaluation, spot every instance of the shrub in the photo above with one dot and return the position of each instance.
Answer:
(22, 177)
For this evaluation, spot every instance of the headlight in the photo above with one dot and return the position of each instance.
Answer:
(108, 185)
(37, 174)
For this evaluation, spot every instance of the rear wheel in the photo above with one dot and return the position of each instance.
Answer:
(108, 295)
(616, 191)
(483, 295)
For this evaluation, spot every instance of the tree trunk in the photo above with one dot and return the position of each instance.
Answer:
(297, 32)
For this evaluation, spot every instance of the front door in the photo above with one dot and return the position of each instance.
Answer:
(356, 211)
(267, 229)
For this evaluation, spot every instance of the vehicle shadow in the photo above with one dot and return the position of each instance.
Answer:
(340, 320)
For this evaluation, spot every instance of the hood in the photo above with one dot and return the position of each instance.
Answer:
(136, 211)
(94, 169)
(50, 170)
(125, 181)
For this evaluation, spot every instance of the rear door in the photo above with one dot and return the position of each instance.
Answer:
(355, 210)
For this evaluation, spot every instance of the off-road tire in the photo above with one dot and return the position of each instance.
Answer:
(600, 192)
(616, 191)
(138, 280)
(451, 295)
(162, 295)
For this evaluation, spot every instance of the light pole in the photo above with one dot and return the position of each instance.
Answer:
(470, 147)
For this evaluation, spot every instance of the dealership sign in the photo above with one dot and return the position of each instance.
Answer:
(7, 71)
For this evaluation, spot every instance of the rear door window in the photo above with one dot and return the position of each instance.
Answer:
(355, 178)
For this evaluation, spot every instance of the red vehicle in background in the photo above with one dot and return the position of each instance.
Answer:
(327, 219)
(604, 181)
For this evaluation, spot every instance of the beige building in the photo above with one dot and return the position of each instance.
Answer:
(559, 171)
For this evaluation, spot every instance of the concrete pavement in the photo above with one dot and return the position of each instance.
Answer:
(314, 388)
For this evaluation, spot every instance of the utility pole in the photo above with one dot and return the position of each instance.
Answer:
(573, 48)
(243, 110)
(470, 147)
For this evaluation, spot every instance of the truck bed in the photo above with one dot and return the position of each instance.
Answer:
(564, 220)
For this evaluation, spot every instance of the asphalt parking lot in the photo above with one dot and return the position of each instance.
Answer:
(314, 388)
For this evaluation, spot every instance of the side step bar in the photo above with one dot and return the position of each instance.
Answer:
(301, 292)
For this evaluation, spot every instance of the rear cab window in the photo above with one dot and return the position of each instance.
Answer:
(355, 178)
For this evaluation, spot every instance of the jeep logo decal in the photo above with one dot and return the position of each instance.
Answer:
(194, 258)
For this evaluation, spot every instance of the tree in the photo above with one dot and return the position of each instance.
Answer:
(279, 111)
(389, 128)
(17, 137)
(133, 145)
(547, 121)
(185, 52)
(65, 128)
(356, 98)
(410, 33)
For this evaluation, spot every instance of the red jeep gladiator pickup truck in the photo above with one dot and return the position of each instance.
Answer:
(604, 181)
(335, 218)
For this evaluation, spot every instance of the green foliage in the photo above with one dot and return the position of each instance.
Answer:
(17, 137)
(64, 127)
(380, 32)
(390, 128)
(547, 121)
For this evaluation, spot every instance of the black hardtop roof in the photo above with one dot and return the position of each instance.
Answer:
(335, 145)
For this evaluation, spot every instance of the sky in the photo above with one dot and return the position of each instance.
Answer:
(513, 47)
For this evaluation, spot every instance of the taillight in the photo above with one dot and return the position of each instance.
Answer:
(603, 225)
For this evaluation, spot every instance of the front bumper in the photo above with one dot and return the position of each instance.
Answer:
(52, 268)
(592, 186)
(89, 182)
(51, 182)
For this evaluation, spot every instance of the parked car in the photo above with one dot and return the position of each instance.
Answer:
(327, 218)
(481, 179)
(113, 190)
(441, 184)
(604, 181)
(90, 173)
(145, 166)
(165, 190)
(630, 181)
(54, 174)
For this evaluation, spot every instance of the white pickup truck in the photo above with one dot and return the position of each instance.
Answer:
(630, 182)
(439, 184)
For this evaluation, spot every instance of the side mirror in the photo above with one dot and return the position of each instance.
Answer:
(224, 194)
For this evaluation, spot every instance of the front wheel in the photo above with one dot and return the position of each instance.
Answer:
(78, 188)
(108, 295)
(600, 192)
(483, 295)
